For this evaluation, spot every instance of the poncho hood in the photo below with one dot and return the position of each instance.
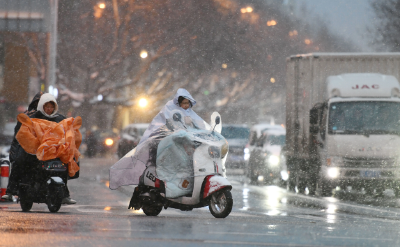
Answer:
(43, 100)
(184, 93)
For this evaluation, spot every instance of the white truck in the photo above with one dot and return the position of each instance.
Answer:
(343, 122)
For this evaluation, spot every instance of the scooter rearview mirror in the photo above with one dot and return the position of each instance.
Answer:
(177, 117)
(217, 120)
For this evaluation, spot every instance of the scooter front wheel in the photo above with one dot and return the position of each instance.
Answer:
(151, 210)
(54, 201)
(221, 204)
(26, 205)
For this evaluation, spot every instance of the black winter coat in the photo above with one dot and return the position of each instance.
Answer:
(14, 149)
(17, 153)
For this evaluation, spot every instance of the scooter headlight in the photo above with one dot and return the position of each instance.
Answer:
(224, 149)
(214, 152)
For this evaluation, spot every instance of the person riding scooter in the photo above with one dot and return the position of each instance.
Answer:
(146, 151)
(169, 146)
(47, 109)
(15, 149)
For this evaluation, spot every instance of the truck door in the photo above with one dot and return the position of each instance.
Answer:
(321, 136)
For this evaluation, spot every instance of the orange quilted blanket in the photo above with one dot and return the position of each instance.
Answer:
(49, 140)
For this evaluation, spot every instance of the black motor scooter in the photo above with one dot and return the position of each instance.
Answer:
(44, 185)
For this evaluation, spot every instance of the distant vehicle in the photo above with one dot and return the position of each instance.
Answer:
(7, 135)
(237, 136)
(342, 122)
(101, 142)
(265, 163)
(130, 137)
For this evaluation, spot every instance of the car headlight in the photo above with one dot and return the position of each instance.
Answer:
(334, 161)
(224, 149)
(273, 160)
(246, 152)
(333, 172)
(109, 142)
(284, 175)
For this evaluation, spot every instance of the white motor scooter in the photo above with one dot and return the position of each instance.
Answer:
(209, 183)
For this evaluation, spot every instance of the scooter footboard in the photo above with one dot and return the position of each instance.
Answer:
(214, 183)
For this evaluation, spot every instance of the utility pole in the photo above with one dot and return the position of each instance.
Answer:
(51, 72)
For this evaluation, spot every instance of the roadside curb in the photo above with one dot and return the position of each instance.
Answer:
(335, 204)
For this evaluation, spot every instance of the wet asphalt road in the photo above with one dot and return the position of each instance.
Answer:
(263, 215)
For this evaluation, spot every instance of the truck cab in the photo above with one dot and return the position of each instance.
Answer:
(356, 133)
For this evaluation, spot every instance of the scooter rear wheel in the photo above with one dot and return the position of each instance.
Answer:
(151, 210)
(221, 204)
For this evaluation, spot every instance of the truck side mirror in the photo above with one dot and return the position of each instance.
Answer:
(313, 116)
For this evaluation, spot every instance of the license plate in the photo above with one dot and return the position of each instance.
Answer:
(369, 174)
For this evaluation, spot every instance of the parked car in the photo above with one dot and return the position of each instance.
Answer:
(130, 137)
(266, 162)
(237, 136)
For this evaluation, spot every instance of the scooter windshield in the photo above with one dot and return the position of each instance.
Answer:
(130, 167)
(174, 164)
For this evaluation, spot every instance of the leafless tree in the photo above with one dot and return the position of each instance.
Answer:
(386, 35)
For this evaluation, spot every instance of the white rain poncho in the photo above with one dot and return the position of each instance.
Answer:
(166, 113)
(129, 168)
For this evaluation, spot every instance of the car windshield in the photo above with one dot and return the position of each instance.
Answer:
(364, 118)
(233, 132)
(141, 131)
(278, 140)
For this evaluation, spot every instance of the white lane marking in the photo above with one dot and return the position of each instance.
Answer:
(309, 217)
(93, 210)
(260, 244)
(127, 230)
(245, 233)
(358, 238)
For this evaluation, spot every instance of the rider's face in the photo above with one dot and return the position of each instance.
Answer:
(185, 104)
(49, 108)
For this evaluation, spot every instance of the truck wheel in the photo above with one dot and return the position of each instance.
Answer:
(326, 190)
(221, 204)
(251, 175)
(396, 192)
(301, 185)
(291, 184)
(151, 210)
